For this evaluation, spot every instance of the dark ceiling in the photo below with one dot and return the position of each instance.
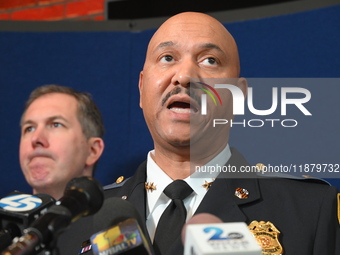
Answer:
(134, 9)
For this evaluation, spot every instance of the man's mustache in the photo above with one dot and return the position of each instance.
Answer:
(191, 92)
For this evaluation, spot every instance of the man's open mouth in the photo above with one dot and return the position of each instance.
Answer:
(182, 107)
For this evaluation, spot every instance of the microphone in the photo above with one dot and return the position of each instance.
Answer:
(206, 234)
(83, 196)
(122, 234)
(17, 211)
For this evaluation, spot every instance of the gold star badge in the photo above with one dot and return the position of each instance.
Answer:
(150, 186)
(207, 185)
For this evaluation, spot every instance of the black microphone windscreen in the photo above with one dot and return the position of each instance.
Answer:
(91, 188)
(83, 193)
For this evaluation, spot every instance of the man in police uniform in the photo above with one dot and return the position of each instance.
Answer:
(300, 215)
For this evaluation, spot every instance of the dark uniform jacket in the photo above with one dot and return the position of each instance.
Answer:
(304, 211)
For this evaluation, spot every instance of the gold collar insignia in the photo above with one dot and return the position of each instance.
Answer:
(207, 185)
(149, 186)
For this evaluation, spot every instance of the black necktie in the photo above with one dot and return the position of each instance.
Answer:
(173, 218)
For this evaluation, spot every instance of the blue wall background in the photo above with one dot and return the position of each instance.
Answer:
(107, 64)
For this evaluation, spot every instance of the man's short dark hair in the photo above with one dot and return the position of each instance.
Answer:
(88, 113)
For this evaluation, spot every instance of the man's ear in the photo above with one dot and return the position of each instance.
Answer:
(96, 147)
(140, 86)
(242, 83)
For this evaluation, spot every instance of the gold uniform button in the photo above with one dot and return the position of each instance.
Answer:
(260, 166)
(120, 179)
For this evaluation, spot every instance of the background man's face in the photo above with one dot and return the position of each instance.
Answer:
(53, 148)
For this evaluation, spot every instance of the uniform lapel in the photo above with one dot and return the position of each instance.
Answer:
(134, 190)
(221, 201)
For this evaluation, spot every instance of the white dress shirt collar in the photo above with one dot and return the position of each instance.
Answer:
(157, 201)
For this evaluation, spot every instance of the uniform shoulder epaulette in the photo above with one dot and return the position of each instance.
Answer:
(118, 183)
(310, 178)
(262, 173)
